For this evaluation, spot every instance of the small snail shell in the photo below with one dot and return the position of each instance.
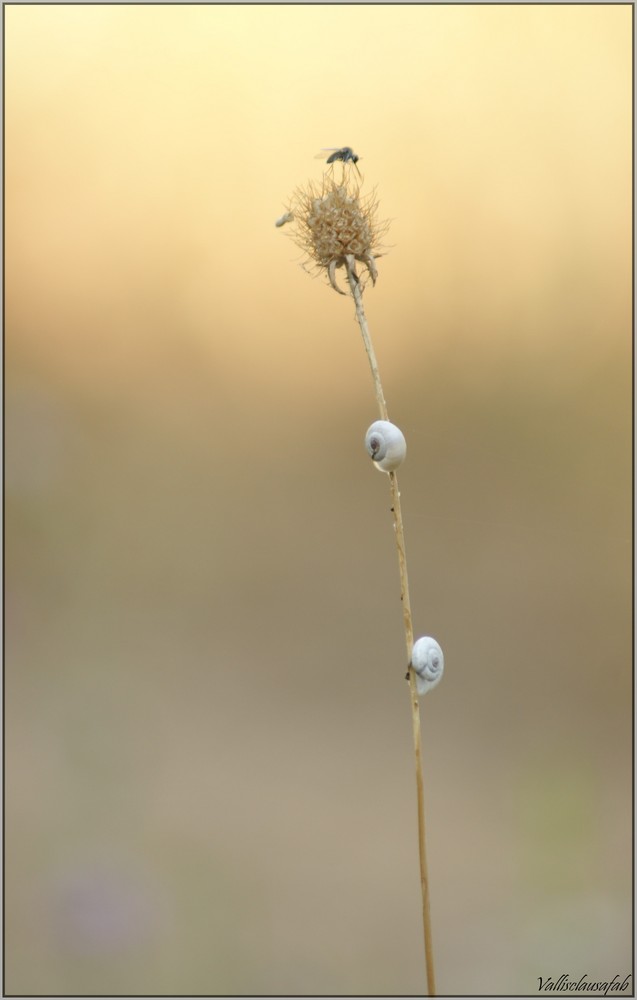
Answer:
(386, 444)
(286, 217)
(428, 662)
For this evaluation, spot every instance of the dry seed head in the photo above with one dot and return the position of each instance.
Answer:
(333, 222)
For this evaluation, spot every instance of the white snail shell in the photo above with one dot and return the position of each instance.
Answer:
(286, 217)
(386, 444)
(428, 662)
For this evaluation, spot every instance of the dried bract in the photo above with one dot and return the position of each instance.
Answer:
(333, 222)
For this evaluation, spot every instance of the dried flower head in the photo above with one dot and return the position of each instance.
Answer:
(333, 223)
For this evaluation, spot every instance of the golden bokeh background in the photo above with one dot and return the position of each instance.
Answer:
(209, 776)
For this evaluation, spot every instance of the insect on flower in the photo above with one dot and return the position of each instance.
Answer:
(346, 154)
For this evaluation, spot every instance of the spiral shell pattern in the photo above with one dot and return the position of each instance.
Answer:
(428, 662)
(386, 445)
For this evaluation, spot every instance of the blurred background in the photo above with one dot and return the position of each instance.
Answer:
(209, 770)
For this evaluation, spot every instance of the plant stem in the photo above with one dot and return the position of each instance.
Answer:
(357, 295)
(355, 287)
(415, 720)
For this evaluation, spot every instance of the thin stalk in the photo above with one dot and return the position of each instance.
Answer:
(355, 287)
(357, 295)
